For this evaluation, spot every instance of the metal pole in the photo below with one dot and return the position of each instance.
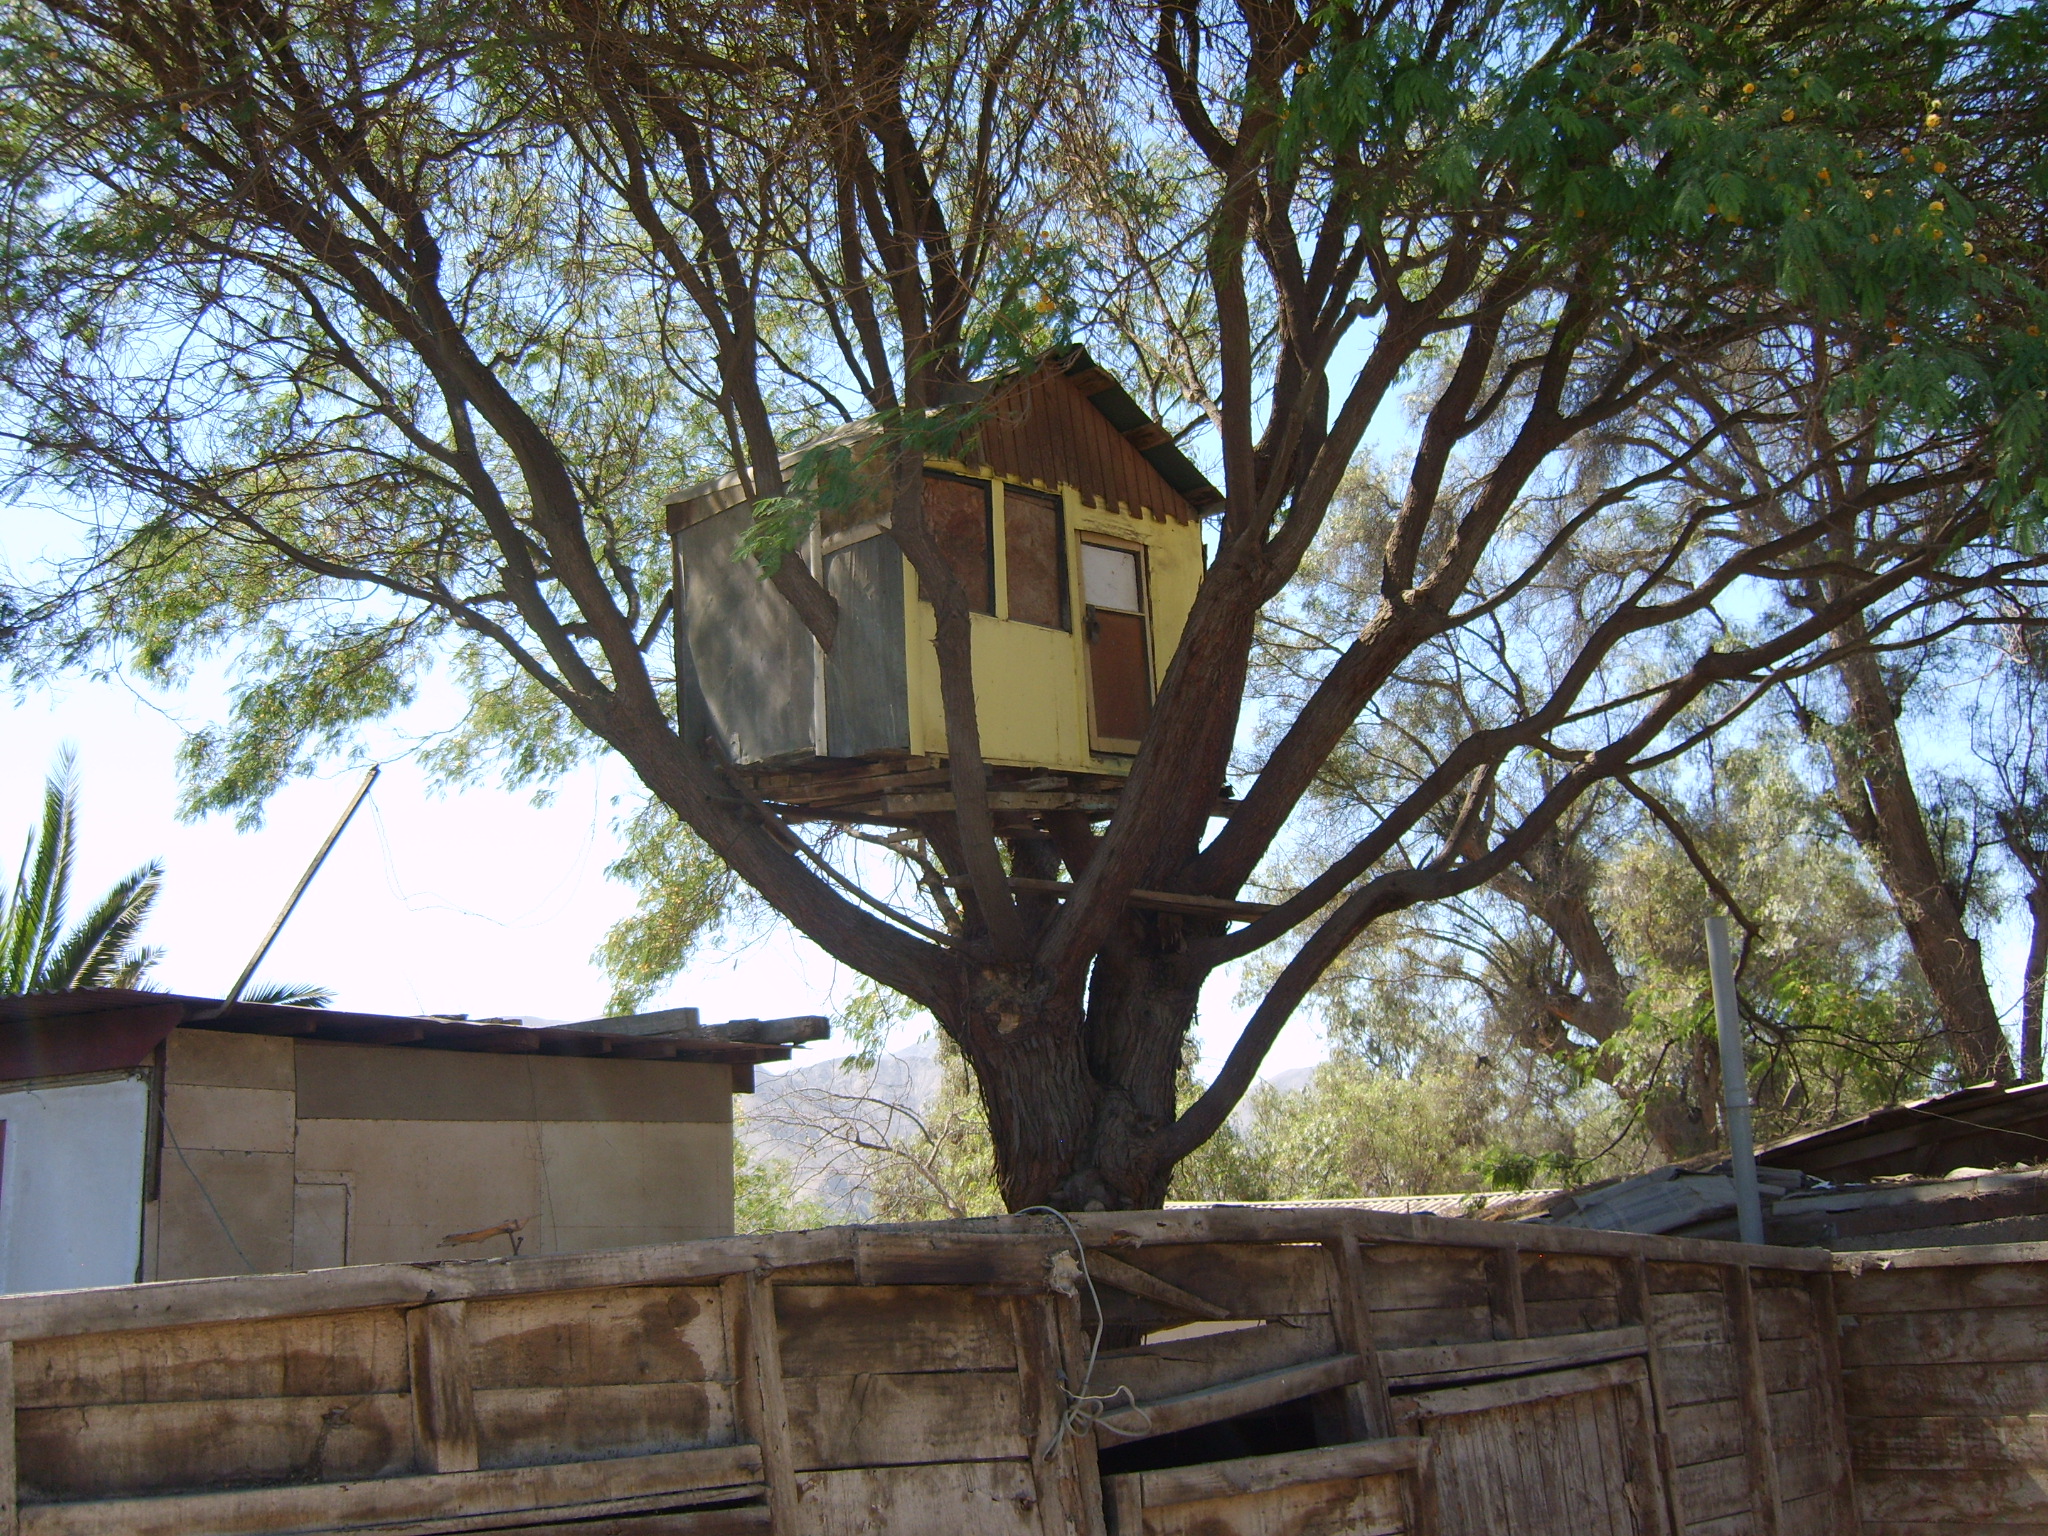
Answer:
(1749, 1209)
(249, 971)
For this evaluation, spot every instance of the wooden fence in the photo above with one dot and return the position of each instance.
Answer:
(1260, 1372)
(1945, 1356)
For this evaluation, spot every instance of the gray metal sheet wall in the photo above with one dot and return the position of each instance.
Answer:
(754, 663)
(867, 693)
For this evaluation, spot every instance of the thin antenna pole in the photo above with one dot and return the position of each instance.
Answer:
(249, 971)
(1749, 1207)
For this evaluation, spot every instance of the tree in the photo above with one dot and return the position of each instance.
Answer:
(37, 954)
(376, 330)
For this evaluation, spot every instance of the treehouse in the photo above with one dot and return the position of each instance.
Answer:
(1074, 525)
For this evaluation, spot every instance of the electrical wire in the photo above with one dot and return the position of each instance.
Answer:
(207, 1195)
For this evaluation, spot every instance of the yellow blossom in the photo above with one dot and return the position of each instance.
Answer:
(1787, 115)
(1749, 88)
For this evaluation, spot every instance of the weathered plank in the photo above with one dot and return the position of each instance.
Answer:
(1504, 1294)
(749, 1303)
(1106, 1268)
(113, 1450)
(988, 1498)
(1715, 1490)
(1938, 1444)
(1766, 1500)
(1635, 1311)
(528, 1426)
(443, 1397)
(1341, 1507)
(1415, 1327)
(1011, 1261)
(1699, 1373)
(1571, 1314)
(1444, 1402)
(597, 1338)
(245, 1298)
(1175, 1366)
(1242, 1280)
(1885, 1391)
(1370, 1409)
(1256, 1474)
(875, 1420)
(1685, 1318)
(1965, 1333)
(1827, 1334)
(1705, 1432)
(1453, 1362)
(1400, 1279)
(1569, 1277)
(1041, 1409)
(399, 1504)
(1989, 1495)
(844, 1330)
(10, 1491)
(1164, 1416)
(746, 1520)
(1895, 1286)
(337, 1355)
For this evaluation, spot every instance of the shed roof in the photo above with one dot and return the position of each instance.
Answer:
(1045, 434)
(1978, 1127)
(58, 1034)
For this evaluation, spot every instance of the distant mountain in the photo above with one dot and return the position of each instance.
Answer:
(815, 1118)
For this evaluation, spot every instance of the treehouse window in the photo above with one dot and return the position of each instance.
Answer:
(1034, 553)
(958, 513)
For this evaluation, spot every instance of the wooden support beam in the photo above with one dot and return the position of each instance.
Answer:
(1189, 1410)
(1834, 1410)
(1504, 1290)
(1257, 1474)
(764, 1405)
(1766, 1503)
(1443, 1364)
(1637, 1309)
(1073, 1358)
(1486, 1395)
(1158, 901)
(1351, 1315)
(443, 1397)
(1035, 1330)
(411, 1506)
(10, 1474)
(1108, 1269)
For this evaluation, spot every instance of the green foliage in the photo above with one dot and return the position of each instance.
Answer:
(944, 1165)
(765, 1197)
(37, 953)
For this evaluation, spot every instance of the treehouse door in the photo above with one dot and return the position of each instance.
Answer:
(1119, 644)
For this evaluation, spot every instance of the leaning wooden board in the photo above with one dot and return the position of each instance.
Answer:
(1263, 1371)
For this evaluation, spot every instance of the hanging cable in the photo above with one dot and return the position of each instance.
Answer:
(1086, 1411)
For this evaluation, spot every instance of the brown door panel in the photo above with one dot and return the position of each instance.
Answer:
(1119, 674)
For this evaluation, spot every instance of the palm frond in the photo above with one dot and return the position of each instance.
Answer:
(36, 953)
(94, 952)
(290, 994)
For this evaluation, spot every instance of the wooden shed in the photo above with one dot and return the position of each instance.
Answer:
(1072, 521)
(145, 1136)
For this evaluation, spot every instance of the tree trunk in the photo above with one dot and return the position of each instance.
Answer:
(1874, 788)
(1075, 1103)
(2035, 982)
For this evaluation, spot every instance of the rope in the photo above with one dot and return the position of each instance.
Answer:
(1087, 1411)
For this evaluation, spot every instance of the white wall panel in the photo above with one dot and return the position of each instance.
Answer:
(71, 1184)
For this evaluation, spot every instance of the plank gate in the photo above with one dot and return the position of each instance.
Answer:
(1260, 1373)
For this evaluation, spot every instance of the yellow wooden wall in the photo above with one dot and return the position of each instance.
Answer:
(1031, 682)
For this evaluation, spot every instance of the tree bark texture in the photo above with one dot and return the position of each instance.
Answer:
(1874, 789)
